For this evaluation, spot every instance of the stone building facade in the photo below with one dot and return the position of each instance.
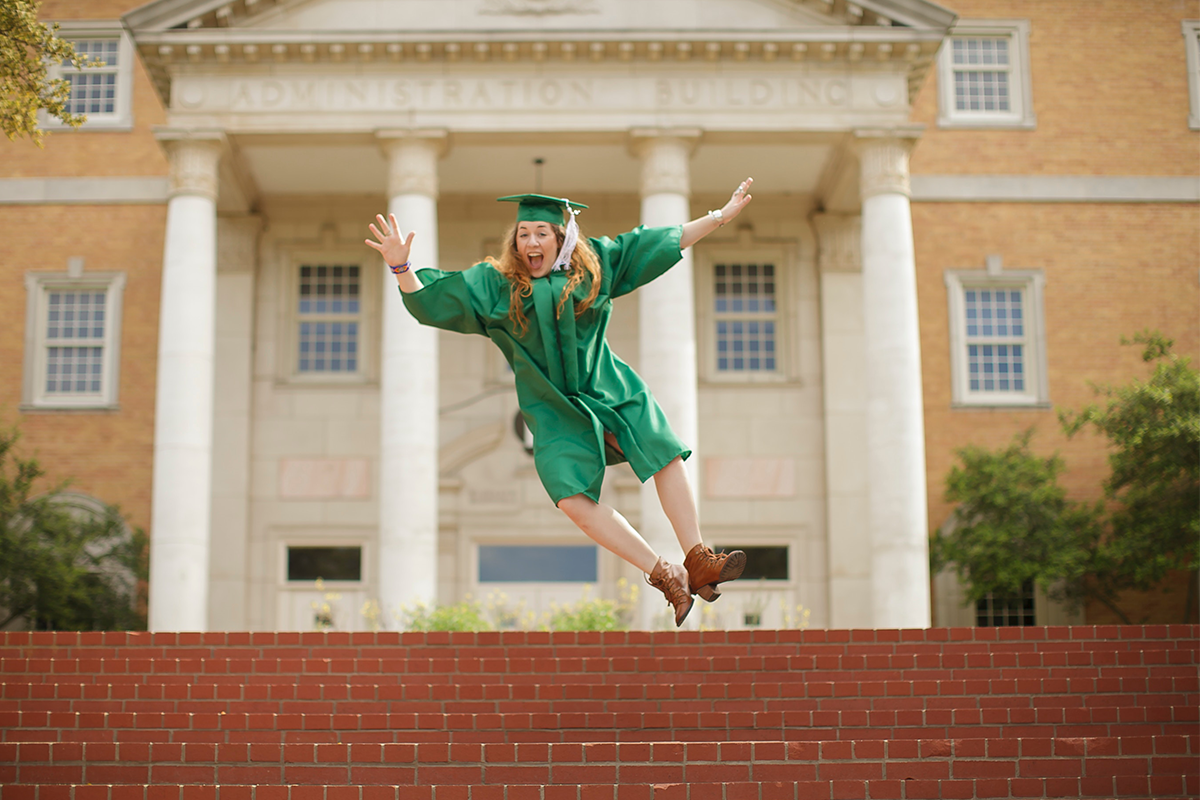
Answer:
(251, 391)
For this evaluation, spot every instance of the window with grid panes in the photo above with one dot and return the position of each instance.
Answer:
(72, 345)
(996, 339)
(328, 319)
(983, 75)
(74, 342)
(745, 317)
(94, 88)
(997, 611)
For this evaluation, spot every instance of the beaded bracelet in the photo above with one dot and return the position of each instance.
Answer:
(400, 270)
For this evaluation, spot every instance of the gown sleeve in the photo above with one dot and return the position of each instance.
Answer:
(635, 258)
(455, 301)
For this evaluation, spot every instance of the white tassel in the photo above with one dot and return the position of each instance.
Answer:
(569, 240)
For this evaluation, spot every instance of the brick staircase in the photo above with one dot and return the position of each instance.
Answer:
(1099, 712)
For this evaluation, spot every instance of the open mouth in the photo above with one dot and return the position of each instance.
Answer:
(535, 260)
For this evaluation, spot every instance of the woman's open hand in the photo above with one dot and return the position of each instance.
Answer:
(390, 245)
(739, 200)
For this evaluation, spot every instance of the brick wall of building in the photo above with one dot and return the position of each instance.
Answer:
(1105, 277)
(106, 454)
(1109, 89)
(1110, 94)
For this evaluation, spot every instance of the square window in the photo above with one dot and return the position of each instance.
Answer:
(102, 90)
(324, 563)
(72, 340)
(1018, 610)
(997, 355)
(744, 309)
(328, 313)
(983, 76)
(763, 563)
(538, 563)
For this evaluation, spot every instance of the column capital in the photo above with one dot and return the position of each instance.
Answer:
(883, 159)
(412, 156)
(839, 242)
(664, 153)
(194, 156)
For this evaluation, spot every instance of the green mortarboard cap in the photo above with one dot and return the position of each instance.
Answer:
(539, 207)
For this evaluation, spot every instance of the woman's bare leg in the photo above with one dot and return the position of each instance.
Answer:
(678, 503)
(610, 530)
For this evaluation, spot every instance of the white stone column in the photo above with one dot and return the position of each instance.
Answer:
(667, 330)
(898, 514)
(408, 457)
(843, 383)
(183, 412)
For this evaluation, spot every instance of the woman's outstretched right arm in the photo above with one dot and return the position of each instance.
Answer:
(395, 250)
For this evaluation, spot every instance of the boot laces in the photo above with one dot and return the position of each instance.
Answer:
(676, 595)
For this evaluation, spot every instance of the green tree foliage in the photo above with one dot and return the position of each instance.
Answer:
(27, 47)
(63, 567)
(1014, 523)
(1153, 427)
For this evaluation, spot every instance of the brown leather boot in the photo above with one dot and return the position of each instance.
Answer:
(706, 569)
(672, 581)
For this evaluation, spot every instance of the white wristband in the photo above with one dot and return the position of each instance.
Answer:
(717, 216)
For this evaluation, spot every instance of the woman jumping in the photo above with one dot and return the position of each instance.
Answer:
(546, 304)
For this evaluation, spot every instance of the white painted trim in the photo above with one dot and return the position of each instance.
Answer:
(787, 367)
(1037, 393)
(122, 118)
(1191, 43)
(289, 321)
(1054, 189)
(34, 376)
(1020, 87)
(75, 191)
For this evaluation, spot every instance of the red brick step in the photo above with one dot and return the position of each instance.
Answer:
(1171, 762)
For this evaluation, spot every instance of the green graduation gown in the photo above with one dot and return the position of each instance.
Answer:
(571, 387)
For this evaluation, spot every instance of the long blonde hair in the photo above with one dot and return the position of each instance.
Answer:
(584, 263)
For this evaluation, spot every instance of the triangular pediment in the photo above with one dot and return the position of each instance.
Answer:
(471, 18)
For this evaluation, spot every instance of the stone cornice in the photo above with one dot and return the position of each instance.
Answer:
(199, 14)
(164, 53)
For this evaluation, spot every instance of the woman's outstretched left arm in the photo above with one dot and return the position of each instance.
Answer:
(697, 229)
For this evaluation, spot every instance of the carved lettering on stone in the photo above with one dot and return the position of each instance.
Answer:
(762, 95)
(539, 8)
